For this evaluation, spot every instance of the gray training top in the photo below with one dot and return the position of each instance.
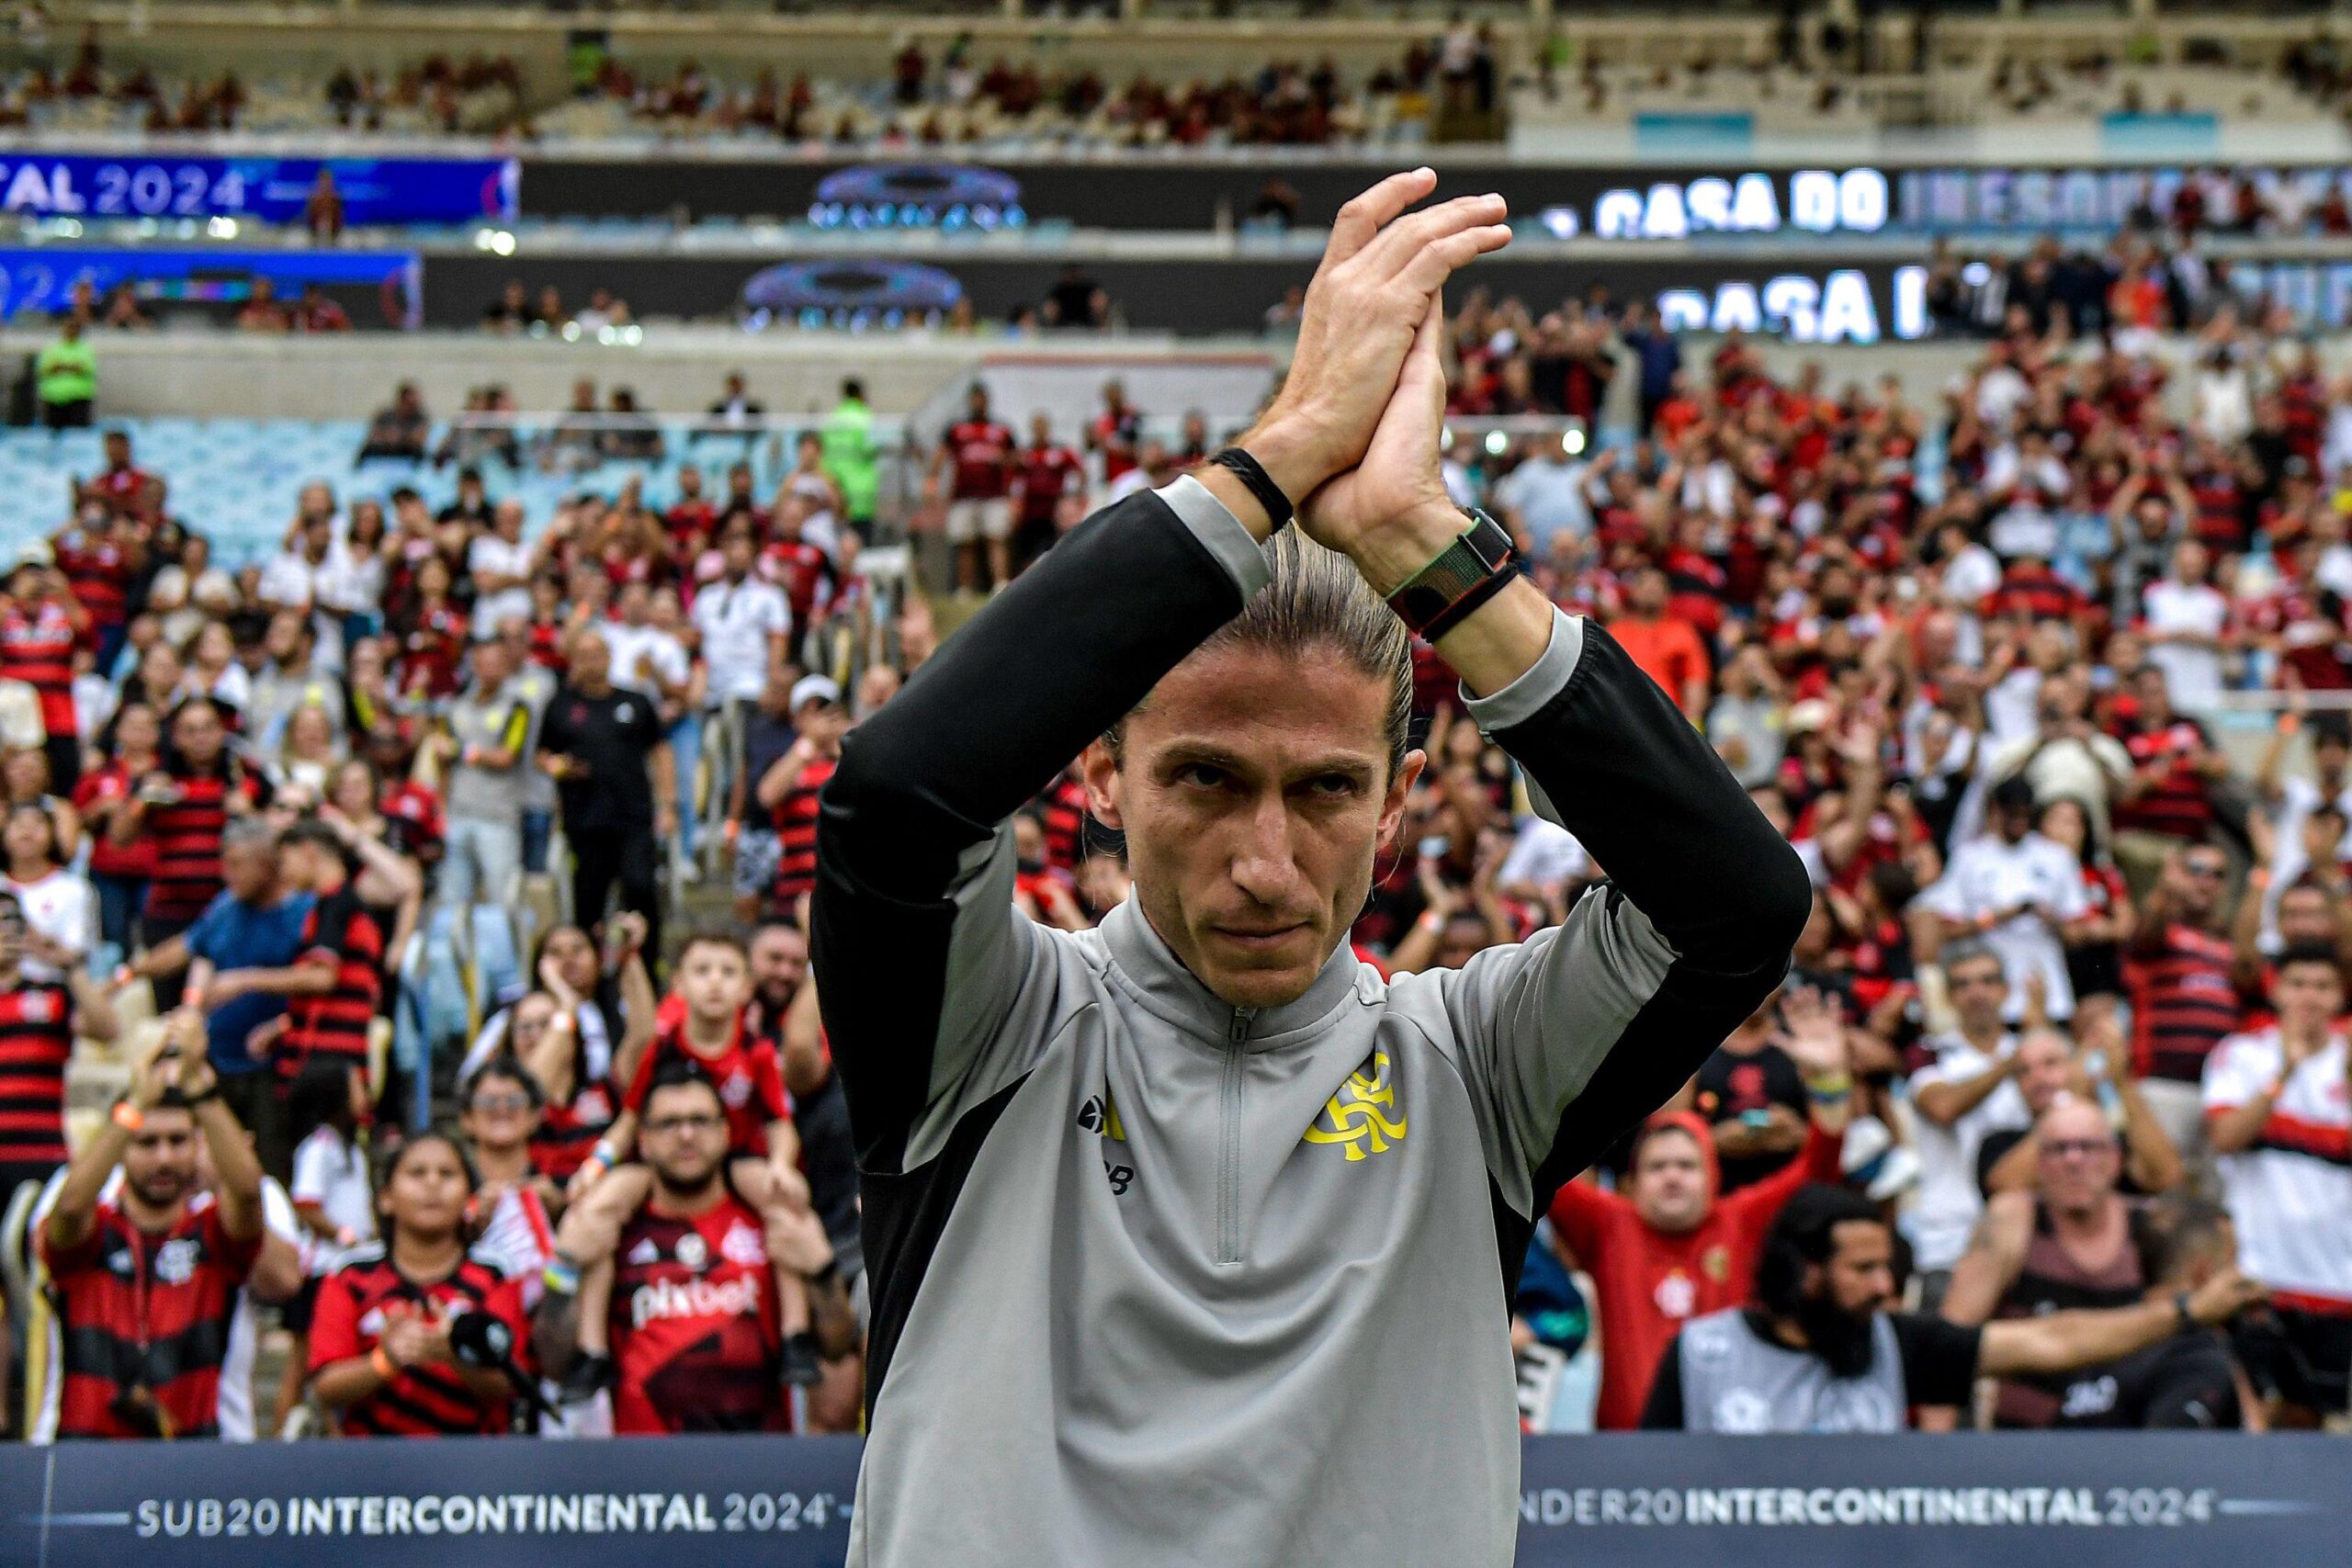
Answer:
(1157, 1281)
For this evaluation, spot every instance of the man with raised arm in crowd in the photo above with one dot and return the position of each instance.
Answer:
(146, 1282)
(1821, 1351)
(1247, 1217)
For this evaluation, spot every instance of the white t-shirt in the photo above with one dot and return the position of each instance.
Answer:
(491, 553)
(2293, 1209)
(63, 908)
(1945, 1209)
(233, 1405)
(331, 1173)
(351, 583)
(1544, 853)
(736, 620)
(2298, 798)
(1988, 875)
(2192, 674)
(664, 654)
(289, 578)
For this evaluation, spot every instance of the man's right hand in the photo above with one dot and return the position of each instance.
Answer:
(1380, 271)
(2225, 1296)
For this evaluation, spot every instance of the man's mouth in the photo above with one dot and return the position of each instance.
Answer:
(1259, 936)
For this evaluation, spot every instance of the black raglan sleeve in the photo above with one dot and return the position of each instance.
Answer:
(1571, 1037)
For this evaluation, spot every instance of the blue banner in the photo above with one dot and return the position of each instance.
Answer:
(41, 278)
(2060, 1500)
(267, 190)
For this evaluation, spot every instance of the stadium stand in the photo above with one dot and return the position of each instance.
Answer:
(1952, 415)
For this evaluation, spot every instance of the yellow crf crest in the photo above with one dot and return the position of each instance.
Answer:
(1358, 1114)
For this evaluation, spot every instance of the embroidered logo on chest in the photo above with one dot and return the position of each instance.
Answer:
(1363, 1118)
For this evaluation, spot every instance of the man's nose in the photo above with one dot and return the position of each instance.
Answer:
(1264, 864)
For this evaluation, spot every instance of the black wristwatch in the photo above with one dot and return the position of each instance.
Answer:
(193, 1101)
(2180, 1309)
(1465, 574)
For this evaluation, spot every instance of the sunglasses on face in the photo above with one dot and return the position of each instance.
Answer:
(495, 1102)
(2086, 1148)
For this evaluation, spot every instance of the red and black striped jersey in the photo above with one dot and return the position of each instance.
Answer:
(340, 932)
(359, 1299)
(694, 1325)
(2183, 1003)
(796, 828)
(2035, 591)
(568, 1129)
(36, 1043)
(2178, 803)
(133, 861)
(98, 570)
(37, 647)
(143, 1322)
(186, 832)
(1062, 807)
(748, 1074)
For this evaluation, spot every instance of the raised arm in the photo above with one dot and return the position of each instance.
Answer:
(2061, 1341)
(1573, 1035)
(913, 901)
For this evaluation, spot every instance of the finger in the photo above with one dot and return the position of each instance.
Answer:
(1397, 244)
(1371, 212)
(1440, 259)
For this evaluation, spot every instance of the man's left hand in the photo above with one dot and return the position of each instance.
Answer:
(1391, 514)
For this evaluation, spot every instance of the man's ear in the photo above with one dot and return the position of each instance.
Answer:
(1400, 790)
(1100, 769)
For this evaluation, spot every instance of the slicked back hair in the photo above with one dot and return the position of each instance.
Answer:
(1317, 601)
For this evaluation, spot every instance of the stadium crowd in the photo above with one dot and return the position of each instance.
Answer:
(2063, 1031)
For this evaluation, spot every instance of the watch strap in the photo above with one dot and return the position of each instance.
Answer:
(1464, 575)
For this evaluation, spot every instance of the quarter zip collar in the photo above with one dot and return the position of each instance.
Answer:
(1171, 991)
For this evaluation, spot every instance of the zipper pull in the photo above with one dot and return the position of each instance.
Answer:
(1237, 1030)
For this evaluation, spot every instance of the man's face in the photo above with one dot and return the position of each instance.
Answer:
(2304, 916)
(2203, 874)
(738, 552)
(250, 870)
(284, 638)
(2043, 1061)
(1670, 1184)
(685, 1136)
(491, 668)
(1978, 991)
(1254, 792)
(2308, 997)
(592, 660)
(2013, 822)
(1648, 594)
(301, 866)
(1858, 1277)
(2078, 1157)
(715, 981)
(160, 1164)
(779, 961)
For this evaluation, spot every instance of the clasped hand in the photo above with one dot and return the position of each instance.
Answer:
(1354, 429)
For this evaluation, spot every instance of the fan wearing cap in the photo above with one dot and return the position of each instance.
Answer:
(1671, 1247)
(790, 787)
